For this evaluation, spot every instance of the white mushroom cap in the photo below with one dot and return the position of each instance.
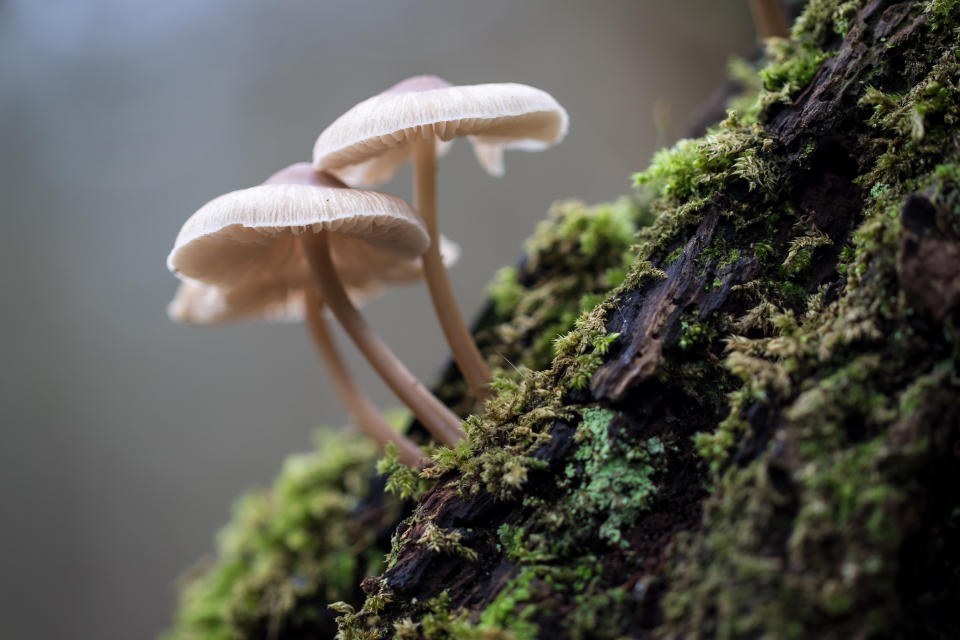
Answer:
(285, 301)
(368, 143)
(250, 235)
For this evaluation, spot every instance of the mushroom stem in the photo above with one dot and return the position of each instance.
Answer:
(356, 402)
(464, 349)
(434, 415)
(769, 19)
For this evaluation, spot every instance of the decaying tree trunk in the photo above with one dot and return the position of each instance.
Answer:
(748, 423)
(750, 299)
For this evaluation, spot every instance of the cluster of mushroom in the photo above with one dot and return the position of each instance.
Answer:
(304, 240)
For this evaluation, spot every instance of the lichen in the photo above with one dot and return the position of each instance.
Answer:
(615, 478)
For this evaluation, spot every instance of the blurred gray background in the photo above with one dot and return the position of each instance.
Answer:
(126, 437)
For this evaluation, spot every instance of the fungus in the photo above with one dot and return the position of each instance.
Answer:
(274, 300)
(300, 217)
(369, 142)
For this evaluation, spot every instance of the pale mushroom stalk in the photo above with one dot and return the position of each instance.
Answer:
(358, 405)
(464, 349)
(434, 415)
(769, 19)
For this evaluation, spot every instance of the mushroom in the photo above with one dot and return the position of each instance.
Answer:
(301, 217)
(274, 300)
(369, 142)
(769, 20)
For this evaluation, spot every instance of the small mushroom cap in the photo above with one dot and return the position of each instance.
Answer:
(285, 301)
(368, 143)
(249, 235)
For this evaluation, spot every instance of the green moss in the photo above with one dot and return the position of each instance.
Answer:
(551, 334)
(695, 333)
(822, 19)
(843, 15)
(505, 291)
(942, 13)
(573, 258)
(513, 613)
(676, 172)
(802, 533)
(911, 130)
(443, 541)
(402, 481)
(506, 612)
(694, 168)
(802, 247)
(792, 65)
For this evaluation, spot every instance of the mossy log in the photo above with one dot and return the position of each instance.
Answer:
(733, 402)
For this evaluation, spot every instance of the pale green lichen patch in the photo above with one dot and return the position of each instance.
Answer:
(615, 478)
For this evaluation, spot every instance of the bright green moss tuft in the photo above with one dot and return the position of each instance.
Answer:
(675, 172)
(402, 481)
(791, 67)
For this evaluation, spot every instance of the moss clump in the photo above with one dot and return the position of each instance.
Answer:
(288, 549)
(575, 256)
(547, 314)
(402, 481)
(791, 66)
(504, 619)
(822, 21)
